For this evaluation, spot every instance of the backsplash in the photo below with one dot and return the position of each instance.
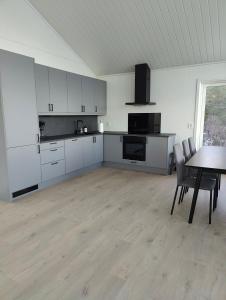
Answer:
(59, 125)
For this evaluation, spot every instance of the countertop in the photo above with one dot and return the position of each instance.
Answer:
(148, 134)
(44, 139)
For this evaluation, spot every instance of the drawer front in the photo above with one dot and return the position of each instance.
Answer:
(52, 155)
(53, 170)
(51, 145)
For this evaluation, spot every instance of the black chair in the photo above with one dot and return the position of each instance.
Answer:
(186, 181)
(192, 147)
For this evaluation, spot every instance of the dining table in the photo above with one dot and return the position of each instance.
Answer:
(210, 159)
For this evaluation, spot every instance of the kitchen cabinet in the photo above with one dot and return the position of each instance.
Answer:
(157, 152)
(18, 99)
(88, 90)
(58, 90)
(89, 157)
(98, 148)
(42, 88)
(113, 148)
(74, 85)
(23, 167)
(73, 154)
(53, 170)
(100, 104)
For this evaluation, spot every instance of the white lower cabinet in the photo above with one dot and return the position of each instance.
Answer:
(53, 170)
(23, 167)
(73, 154)
(51, 155)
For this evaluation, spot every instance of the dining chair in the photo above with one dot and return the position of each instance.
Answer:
(187, 181)
(192, 147)
(193, 150)
(186, 149)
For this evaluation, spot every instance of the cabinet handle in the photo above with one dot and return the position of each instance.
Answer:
(38, 138)
(53, 143)
(95, 108)
(84, 108)
(52, 106)
(39, 149)
(54, 163)
(133, 162)
(53, 150)
(74, 140)
(81, 108)
(49, 107)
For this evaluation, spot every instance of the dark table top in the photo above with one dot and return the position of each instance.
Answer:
(147, 134)
(209, 157)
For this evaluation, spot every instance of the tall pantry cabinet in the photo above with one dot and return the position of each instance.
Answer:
(19, 133)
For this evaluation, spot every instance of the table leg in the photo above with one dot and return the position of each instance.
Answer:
(195, 195)
(216, 194)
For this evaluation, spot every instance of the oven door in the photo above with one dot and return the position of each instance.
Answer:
(134, 148)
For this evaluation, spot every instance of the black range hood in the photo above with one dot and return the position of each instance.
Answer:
(142, 85)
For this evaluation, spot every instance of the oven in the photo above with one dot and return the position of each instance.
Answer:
(134, 148)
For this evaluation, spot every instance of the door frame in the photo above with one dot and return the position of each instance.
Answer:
(200, 108)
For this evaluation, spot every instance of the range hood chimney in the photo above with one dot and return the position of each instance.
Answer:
(142, 85)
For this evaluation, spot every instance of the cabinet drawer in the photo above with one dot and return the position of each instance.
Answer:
(51, 145)
(52, 155)
(53, 170)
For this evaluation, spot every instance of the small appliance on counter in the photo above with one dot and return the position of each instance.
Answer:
(144, 123)
(101, 127)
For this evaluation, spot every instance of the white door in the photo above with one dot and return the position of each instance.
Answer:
(18, 99)
(23, 167)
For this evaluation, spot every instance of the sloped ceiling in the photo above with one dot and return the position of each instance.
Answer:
(113, 35)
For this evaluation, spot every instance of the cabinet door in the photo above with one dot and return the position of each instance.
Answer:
(100, 97)
(89, 157)
(88, 90)
(18, 99)
(74, 84)
(42, 88)
(113, 148)
(58, 90)
(73, 154)
(99, 148)
(157, 152)
(23, 167)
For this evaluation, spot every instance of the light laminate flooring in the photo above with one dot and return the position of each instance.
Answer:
(109, 235)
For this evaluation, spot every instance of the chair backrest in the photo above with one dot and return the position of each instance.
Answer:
(186, 149)
(192, 147)
(179, 159)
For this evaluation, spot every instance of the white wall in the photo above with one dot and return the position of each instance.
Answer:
(23, 30)
(174, 91)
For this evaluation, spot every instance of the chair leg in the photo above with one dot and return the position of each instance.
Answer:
(174, 200)
(219, 181)
(215, 197)
(181, 193)
(211, 206)
(184, 192)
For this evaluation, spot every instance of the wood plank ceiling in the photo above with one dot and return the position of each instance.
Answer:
(113, 35)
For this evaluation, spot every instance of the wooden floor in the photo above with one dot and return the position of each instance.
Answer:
(109, 235)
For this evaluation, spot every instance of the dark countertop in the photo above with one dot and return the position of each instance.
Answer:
(44, 139)
(148, 134)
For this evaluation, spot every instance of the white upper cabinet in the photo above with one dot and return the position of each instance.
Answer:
(42, 88)
(18, 98)
(100, 97)
(88, 91)
(58, 90)
(74, 84)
